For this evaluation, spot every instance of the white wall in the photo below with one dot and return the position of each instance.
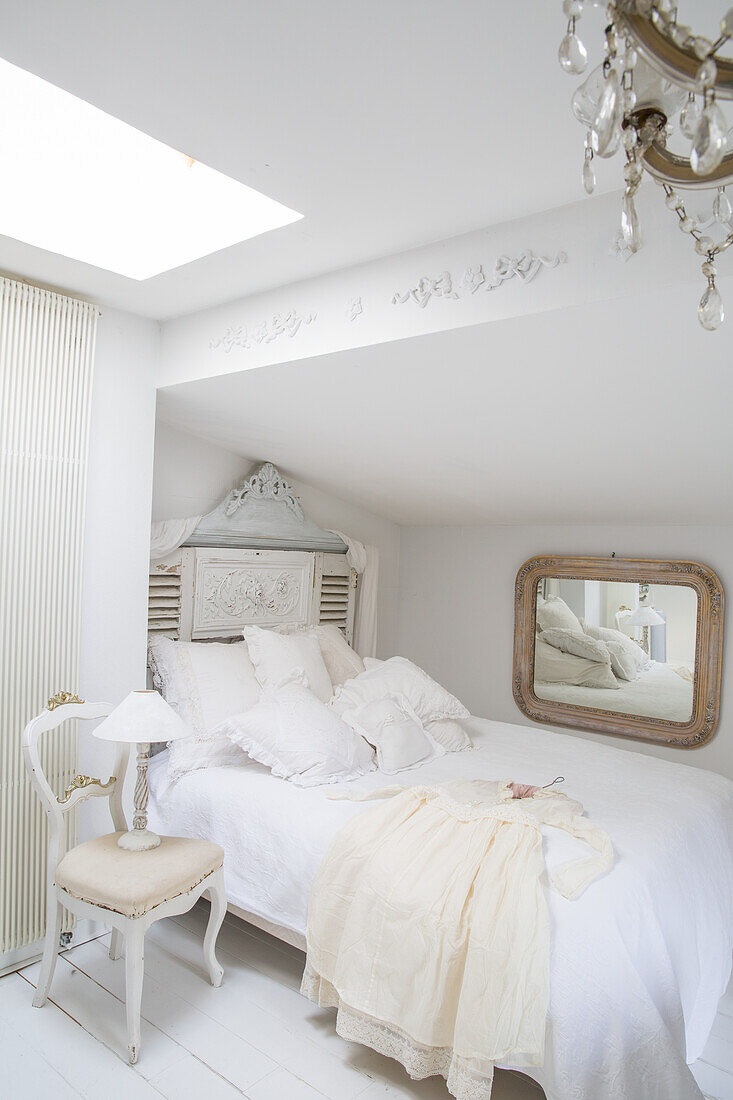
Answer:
(117, 538)
(192, 475)
(456, 609)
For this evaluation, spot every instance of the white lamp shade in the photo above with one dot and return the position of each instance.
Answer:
(144, 716)
(644, 616)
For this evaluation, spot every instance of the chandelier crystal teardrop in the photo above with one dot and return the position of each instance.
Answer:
(657, 77)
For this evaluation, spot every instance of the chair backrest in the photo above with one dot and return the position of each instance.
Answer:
(82, 786)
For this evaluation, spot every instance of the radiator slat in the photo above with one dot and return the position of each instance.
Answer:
(46, 362)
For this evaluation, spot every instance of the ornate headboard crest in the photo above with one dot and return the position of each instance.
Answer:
(264, 511)
(266, 484)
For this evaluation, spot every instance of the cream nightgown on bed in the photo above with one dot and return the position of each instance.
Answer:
(428, 927)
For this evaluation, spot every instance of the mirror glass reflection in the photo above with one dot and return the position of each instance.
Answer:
(616, 646)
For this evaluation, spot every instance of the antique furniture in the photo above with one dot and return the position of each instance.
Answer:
(128, 890)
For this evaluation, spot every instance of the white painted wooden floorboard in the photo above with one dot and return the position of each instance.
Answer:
(88, 1067)
(103, 1016)
(219, 1047)
(189, 1077)
(254, 1038)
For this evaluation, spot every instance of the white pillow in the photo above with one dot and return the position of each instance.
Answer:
(555, 612)
(299, 738)
(203, 682)
(282, 658)
(608, 634)
(622, 662)
(450, 734)
(398, 676)
(552, 666)
(396, 732)
(577, 642)
(341, 661)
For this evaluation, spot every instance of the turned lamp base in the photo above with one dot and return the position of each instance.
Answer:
(140, 838)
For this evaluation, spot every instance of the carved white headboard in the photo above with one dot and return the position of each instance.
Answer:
(199, 593)
(256, 559)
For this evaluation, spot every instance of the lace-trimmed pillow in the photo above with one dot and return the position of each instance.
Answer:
(204, 682)
(398, 676)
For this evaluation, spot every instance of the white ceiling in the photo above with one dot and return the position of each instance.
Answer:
(388, 123)
(529, 420)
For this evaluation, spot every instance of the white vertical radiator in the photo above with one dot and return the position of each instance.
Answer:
(46, 363)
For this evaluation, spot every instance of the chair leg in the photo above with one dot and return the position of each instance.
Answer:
(115, 944)
(218, 899)
(50, 951)
(134, 966)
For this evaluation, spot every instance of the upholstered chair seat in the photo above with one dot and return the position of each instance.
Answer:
(132, 883)
(127, 889)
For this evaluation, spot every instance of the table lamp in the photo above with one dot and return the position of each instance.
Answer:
(644, 616)
(142, 718)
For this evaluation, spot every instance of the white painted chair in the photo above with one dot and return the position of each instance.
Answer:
(101, 881)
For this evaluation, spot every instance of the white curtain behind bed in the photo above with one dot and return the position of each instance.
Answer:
(365, 560)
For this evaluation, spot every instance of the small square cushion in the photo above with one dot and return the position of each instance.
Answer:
(280, 659)
(342, 662)
(396, 732)
(132, 883)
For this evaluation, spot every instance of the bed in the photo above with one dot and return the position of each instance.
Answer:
(638, 963)
(659, 692)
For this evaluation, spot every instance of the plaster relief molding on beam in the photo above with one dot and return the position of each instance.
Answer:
(526, 266)
(281, 324)
(354, 308)
(427, 288)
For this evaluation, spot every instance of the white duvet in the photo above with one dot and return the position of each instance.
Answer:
(637, 964)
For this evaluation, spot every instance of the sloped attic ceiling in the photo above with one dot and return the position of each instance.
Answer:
(479, 425)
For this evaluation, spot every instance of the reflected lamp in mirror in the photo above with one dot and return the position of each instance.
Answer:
(644, 616)
(142, 718)
(577, 660)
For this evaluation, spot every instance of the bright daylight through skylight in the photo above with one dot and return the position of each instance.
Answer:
(78, 182)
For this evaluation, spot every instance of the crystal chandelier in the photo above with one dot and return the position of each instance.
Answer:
(658, 78)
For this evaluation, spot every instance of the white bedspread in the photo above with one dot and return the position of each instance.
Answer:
(660, 692)
(638, 963)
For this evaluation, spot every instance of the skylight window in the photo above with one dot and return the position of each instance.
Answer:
(78, 182)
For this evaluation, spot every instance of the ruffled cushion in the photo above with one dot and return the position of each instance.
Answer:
(299, 738)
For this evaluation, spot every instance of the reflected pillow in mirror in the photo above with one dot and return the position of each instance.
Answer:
(608, 634)
(555, 612)
(577, 642)
(552, 666)
(622, 662)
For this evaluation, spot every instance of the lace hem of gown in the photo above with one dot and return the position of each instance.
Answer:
(464, 1080)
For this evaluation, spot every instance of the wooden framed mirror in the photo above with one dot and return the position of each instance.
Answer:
(626, 646)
